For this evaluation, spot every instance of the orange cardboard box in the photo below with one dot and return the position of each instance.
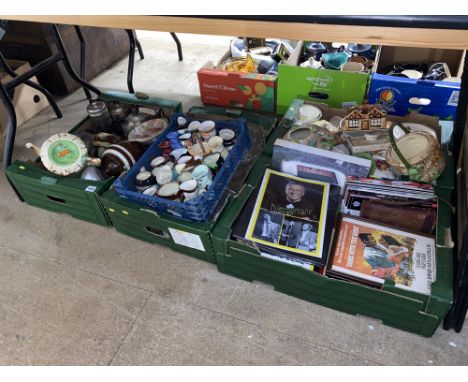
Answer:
(251, 91)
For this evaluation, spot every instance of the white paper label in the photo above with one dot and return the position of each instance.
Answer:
(187, 239)
(453, 100)
(90, 188)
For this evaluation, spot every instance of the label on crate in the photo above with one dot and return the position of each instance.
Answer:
(187, 239)
(90, 188)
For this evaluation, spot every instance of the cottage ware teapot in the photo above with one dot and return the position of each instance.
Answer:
(64, 154)
(415, 154)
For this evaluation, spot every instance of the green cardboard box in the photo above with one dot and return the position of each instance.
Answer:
(335, 88)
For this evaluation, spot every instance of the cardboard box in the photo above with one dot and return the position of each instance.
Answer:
(251, 91)
(26, 100)
(333, 87)
(399, 95)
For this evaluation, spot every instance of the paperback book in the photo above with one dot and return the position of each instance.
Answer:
(371, 253)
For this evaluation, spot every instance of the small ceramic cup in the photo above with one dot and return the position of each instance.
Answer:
(164, 175)
(214, 161)
(176, 154)
(207, 129)
(184, 159)
(353, 67)
(143, 180)
(169, 191)
(151, 191)
(361, 59)
(202, 175)
(181, 125)
(216, 146)
(184, 176)
(158, 161)
(189, 189)
(194, 126)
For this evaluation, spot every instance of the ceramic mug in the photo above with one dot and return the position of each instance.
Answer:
(164, 175)
(353, 67)
(216, 146)
(169, 191)
(202, 175)
(143, 180)
(184, 176)
(158, 161)
(207, 130)
(361, 59)
(176, 154)
(194, 126)
(214, 161)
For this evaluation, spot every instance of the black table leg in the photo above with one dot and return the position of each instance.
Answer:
(66, 62)
(131, 60)
(83, 60)
(10, 126)
(140, 49)
(179, 46)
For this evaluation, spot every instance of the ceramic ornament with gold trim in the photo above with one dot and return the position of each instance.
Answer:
(64, 154)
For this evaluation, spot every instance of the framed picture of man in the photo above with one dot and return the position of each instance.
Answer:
(290, 214)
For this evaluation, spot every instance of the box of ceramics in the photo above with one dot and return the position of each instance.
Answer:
(187, 168)
(184, 236)
(68, 171)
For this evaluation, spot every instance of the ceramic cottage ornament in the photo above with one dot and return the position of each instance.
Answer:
(364, 117)
(64, 154)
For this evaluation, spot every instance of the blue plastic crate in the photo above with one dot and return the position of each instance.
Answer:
(202, 207)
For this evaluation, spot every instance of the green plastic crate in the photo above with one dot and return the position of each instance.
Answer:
(132, 219)
(395, 307)
(72, 195)
(187, 237)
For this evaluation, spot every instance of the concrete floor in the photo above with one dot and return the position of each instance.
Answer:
(74, 293)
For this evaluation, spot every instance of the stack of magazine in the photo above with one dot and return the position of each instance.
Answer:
(384, 232)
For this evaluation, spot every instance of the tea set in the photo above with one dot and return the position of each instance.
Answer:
(114, 139)
(347, 58)
(189, 159)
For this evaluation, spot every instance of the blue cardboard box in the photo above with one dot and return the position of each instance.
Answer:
(399, 96)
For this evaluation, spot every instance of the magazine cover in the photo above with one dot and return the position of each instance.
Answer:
(290, 214)
(373, 253)
(318, 164)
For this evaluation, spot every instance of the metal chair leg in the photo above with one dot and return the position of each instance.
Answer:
(138, 45)
(10, 126)
(66, 62)
(179, 46)
(131, 60)
(32, 84)
(83, 60)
